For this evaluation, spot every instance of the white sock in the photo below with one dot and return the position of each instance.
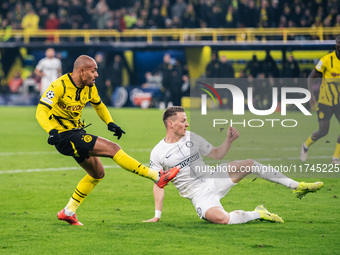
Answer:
(270, 174)
(239, 216)
(68, 212)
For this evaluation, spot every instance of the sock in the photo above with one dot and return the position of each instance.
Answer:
(336, 154)
(270, 174)
(84, 187)
(239, 217)
(310, 140)
(130, 164)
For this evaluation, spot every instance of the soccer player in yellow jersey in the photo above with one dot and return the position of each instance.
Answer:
(59, 112)
(328, 104)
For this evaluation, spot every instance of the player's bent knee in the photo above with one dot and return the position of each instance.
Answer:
(115, 147)
(101, 175)
(217, 215)
(222, 220)
(249, 162)
(323, 133)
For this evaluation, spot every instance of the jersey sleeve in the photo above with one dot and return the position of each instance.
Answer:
(45, 105)
(155, 163)
(321, 65)
(204, 146)
(39, 65)
(100, 107)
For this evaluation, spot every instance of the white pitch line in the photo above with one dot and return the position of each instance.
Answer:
(18, 153)
(116, 166)
(48, 169)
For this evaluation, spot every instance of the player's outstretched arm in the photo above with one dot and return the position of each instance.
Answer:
(222, 150)
(158, 195)
(102, 112)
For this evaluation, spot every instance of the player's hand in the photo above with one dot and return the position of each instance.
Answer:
(232, 134)
(115, 129)
(54, 138)
(154, 219)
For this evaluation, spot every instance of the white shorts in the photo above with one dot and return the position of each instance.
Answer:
(211, 192)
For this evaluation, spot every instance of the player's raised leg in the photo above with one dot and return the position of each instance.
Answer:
(240, 169)
(107, 148)
(300, 189)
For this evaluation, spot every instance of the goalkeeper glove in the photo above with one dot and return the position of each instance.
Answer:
(54, 138)
(115, 129)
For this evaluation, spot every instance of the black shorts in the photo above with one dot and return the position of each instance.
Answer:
(325, 112)
(76, 143)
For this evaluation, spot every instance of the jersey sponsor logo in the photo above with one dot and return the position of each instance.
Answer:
(72, 108)
(189, 160)
(50, 94)
(46, 100)
(87, 138)
(335, 74)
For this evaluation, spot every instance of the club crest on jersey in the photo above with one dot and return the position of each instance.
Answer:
(50, 94)
(87, 138)
(189, 144)
(199, 212)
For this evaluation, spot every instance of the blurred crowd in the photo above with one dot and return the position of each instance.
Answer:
(261, 75)
(152, 14)
(171, 77)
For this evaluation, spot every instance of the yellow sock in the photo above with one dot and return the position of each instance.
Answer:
(309, 141)
(130, 164)
(337, 151)
(84, 187)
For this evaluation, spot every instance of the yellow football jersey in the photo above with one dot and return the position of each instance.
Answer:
(329, 66)
(61, 105)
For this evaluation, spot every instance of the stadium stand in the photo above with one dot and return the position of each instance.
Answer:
(272, 31)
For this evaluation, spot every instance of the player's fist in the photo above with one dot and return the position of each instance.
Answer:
(53, 138)
(232, 134)
(115, 129)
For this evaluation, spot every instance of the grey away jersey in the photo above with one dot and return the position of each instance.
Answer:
(187, 153)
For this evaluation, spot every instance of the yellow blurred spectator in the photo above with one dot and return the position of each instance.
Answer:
(30, 21)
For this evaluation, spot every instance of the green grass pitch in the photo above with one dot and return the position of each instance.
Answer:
(36, 182)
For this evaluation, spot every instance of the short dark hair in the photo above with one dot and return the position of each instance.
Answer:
(171, 111)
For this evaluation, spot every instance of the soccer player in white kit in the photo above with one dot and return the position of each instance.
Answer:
(49, 69)
(184, 148)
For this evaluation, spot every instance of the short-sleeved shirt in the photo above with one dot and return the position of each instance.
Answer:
(50, 68)
(329, 66)
(187, 153)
